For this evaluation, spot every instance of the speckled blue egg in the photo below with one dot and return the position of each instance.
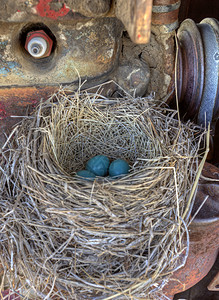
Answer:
(98, 165)
(86, 174)
(118, 168)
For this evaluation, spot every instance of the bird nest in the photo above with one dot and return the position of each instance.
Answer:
(63, 236)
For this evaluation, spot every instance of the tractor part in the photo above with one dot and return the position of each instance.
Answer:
(204, 235)
(38, 44)
(198, 70)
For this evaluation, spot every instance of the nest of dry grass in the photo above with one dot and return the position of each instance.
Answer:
(62, 236)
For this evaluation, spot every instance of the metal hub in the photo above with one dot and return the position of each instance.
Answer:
(198, 69)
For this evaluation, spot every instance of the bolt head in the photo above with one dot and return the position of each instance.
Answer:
(38, 44)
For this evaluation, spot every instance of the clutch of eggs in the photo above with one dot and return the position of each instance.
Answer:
(100, 165)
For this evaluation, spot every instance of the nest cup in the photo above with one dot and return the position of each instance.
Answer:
(101, 239)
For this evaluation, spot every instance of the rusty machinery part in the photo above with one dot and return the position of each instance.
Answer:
(135, 14)
(38, 44)
(204, 235)
(89, 49)
(165, 13)
(198, 69)
(203, 251)
(18, 101)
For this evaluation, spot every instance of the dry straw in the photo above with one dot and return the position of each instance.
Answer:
(62, 236)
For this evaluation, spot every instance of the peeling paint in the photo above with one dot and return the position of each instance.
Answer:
(43, 9)
(10, 67)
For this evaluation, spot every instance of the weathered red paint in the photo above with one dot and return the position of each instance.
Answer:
(203, 246)
(43, 9)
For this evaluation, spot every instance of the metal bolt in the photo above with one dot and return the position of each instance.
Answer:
(37, 47)
(38, 44)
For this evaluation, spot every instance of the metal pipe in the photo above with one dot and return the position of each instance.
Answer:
(165, 13)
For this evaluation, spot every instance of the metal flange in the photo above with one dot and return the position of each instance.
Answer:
(198, 70)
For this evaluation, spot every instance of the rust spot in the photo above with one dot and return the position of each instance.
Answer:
(165, 18)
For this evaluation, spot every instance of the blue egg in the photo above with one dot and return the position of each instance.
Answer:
(118, 167)
(98, 165)
(86, 174)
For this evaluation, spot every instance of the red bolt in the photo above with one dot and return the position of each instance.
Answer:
(38, 44)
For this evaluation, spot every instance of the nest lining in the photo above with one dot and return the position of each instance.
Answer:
(107, 239)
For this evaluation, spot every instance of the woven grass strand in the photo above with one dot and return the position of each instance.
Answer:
(62, 236)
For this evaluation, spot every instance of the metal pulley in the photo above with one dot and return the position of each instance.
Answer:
(198, 69)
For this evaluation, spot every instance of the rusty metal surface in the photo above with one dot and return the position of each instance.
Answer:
(165, 13)
(86, 49)
(214, 284)
(202, 255)
(204, 236)
(136, 16)
(15, 102)
(198, 70)
(199, 291)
